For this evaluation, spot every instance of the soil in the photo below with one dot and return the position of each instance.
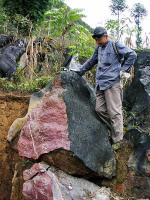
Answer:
(12, 106)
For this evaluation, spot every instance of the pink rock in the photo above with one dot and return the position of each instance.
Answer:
(37, 168)
(39, 188)
(54, 184)
(46, 128)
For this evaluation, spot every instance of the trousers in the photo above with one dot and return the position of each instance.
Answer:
(109, 109)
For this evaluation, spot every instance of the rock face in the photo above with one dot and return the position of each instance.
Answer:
(137, 96)
(64, 122)
(137, 102)
(48, 183)
(139, 160)
(8, 59)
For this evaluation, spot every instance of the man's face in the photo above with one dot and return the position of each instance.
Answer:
(101, 41)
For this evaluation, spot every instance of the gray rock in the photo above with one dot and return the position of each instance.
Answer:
(9, 58)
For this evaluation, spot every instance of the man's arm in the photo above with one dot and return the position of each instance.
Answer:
(89, 64)
(129, 54)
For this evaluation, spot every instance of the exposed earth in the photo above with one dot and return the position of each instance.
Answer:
(11, 107)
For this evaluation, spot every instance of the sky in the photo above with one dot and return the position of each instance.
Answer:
(98, 11)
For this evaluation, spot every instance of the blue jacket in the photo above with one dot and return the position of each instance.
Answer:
(108, 64)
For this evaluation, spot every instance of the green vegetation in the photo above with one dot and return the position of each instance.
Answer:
(22, 85)
(60, 28)
(60, 22)
(117, 7)
(34, 9)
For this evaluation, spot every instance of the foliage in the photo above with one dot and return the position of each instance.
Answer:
(34, 9)
(138, 12)
(61, 21)
(112, 26)
(23, 24)
(124, 28)
(56, 4)
(25, 16)
(2, 2)
(23, 85)
(117, 7)
(84, 45)
(85, 25)
(4, 20)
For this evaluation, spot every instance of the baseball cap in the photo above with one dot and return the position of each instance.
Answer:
(99, 32)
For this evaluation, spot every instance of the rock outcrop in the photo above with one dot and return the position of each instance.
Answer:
(137, 103)
(64, 122)
(137, 95)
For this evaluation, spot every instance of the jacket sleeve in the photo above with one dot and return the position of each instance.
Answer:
(128, 54)
(89, 64)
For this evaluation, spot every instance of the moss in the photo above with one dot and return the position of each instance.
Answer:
(122, 157)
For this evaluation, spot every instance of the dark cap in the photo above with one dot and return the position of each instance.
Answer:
(99, 32)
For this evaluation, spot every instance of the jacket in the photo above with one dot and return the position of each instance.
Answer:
(108, 64)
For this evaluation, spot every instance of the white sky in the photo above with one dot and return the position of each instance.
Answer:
(98, 11)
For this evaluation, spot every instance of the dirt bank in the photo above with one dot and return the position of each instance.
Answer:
(11, 107)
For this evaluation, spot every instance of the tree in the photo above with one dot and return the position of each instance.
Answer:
(138, 12)
(61, 21)
(117, 7)
(126, 28)
(24, 15)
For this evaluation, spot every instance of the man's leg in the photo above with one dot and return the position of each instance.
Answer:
(114, 98)
(101, 108)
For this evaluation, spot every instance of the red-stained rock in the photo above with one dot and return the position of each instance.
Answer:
(48, 183)
(65, 131)
(36, 168)
(46, 128)
(39, 188)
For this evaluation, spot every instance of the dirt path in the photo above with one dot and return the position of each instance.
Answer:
(11, 107)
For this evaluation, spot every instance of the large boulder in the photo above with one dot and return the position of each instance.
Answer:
(64, 127)
(48, 183)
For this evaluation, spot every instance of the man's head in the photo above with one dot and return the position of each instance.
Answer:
(100, 36)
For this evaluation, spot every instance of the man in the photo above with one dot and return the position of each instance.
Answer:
(109, 79)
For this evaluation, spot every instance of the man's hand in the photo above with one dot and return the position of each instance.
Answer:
(77, 71)
(124, 75)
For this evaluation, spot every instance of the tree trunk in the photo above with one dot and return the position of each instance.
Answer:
(118, 26)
